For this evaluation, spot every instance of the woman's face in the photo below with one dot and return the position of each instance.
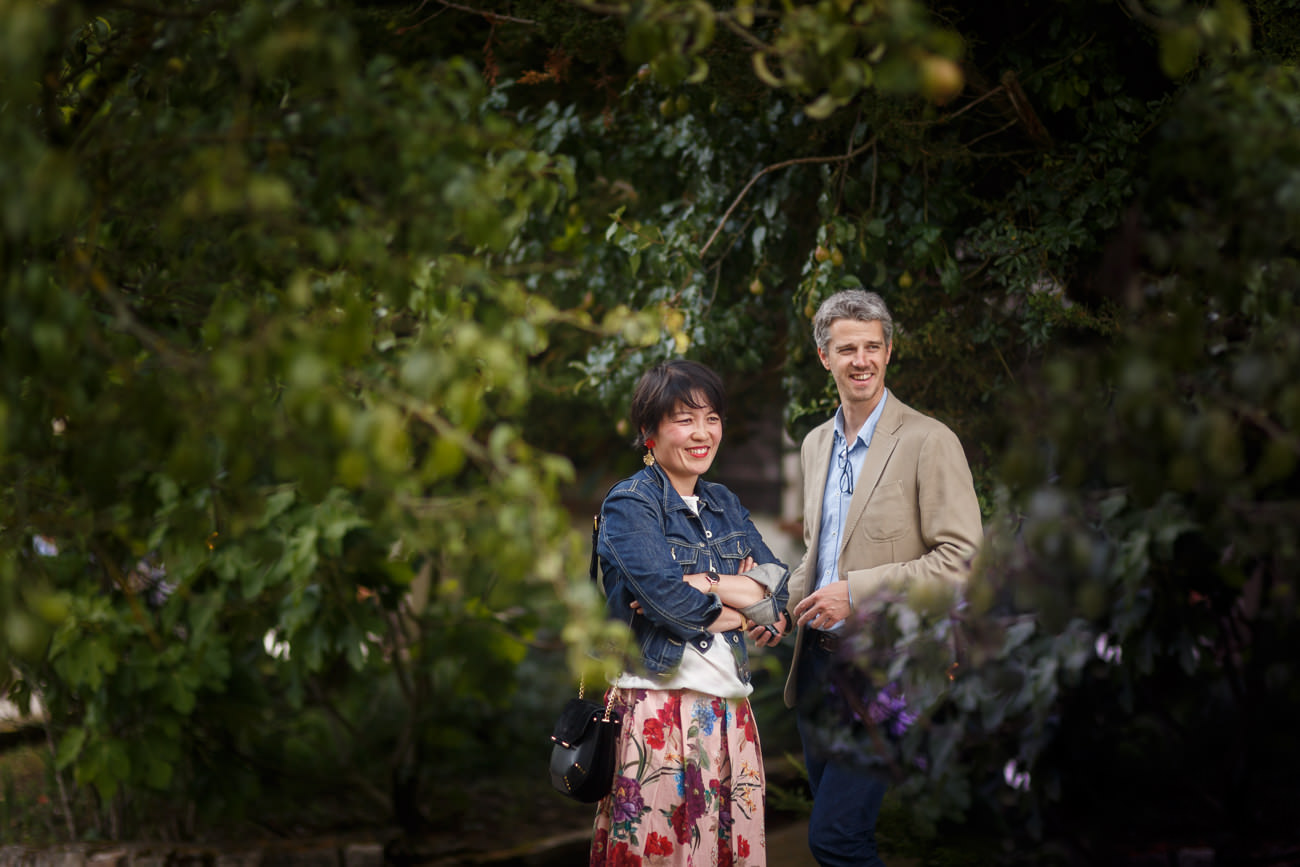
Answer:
(685, 444)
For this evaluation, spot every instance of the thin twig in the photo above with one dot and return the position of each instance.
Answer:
(717, 266)
(875, 175)
(1154, 22)
(744, 34)
(925, 187)
(58, 774)
(958, 113)
(717, 281)
(132, 597)
(598, 8)
(492, 16)
(981, 138)
(844, 169)
(1049, 67)
(160, 12)
(998, 155)
(781, 165)
(1005, 366)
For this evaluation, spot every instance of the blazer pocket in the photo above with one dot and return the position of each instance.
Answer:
(889, 512)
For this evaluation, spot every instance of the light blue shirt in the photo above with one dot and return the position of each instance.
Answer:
(835, 499)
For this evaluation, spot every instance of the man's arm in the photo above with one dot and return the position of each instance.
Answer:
(950, 525)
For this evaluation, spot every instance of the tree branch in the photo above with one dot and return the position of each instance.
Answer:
(745, 36)
(162, 12)
(494, 17)
(774, 167)
(1025, 110)
(1135, 9)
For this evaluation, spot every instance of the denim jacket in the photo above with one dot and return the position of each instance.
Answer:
(649, 538)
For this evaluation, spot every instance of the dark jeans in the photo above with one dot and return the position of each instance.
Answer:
(846, 793)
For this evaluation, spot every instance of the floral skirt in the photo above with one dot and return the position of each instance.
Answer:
(689, 787)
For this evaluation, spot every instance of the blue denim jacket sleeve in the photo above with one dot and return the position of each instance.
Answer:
(632, 541)
(772, 573)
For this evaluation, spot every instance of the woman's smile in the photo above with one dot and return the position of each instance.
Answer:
(686, 443)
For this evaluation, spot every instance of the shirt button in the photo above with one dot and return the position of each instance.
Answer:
(708, 534)
(704, 645)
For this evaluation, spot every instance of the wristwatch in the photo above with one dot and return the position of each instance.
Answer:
(714, 578)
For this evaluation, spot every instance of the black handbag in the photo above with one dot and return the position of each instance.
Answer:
(586, 736)
(584, 754)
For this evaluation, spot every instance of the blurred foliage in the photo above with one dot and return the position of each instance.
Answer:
(1107, 199)
(268, 493)
(1128, 643)
(313, 313)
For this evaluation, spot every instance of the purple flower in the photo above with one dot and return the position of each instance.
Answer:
(628, 802)
(724, 808)
(901, 723)
(693, 791)
(889, 708)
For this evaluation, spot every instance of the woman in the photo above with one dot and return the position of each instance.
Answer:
(684, 566)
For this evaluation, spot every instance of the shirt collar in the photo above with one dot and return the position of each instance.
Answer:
(868, 427)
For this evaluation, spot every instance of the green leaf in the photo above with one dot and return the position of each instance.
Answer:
(822, 107)
(1017, 634)
(1179, 50)
(70, 746)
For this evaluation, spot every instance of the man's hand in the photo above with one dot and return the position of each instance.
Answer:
(824, 608)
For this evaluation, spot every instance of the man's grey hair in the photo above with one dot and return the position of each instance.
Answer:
(851, 304)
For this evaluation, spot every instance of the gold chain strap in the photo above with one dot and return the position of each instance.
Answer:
(609, 699)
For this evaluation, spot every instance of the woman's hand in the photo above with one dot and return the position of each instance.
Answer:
(765, 636)
(728, 619)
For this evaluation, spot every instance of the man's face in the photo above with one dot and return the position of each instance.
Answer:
(857, 357)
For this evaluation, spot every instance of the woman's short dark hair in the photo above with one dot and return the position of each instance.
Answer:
(661, 388)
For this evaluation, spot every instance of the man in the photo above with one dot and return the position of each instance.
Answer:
(888, 501)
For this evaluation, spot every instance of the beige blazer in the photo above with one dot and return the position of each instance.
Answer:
(913, 517)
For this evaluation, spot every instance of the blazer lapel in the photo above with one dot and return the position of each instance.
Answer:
(814, 488)
(883, 442)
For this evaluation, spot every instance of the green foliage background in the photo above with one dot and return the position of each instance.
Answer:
(315, 314)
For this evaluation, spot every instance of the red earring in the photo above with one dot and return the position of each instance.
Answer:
(649, 458)
(649, 444)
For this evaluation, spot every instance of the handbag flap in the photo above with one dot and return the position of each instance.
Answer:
(578, 717)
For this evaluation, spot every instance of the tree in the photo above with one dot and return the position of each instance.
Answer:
(262, 391)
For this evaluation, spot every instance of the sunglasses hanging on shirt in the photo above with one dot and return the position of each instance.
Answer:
(846, 473)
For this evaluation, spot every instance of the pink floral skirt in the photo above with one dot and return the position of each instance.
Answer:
(689, 787)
